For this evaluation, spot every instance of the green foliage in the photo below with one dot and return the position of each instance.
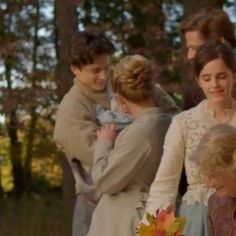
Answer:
(28, 59)
(41, 184)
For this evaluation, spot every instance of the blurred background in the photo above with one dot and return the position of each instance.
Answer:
(36, 186)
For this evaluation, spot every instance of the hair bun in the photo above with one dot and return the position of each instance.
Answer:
(133, 78)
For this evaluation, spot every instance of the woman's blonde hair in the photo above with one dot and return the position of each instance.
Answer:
(132, 78)
(217, 150)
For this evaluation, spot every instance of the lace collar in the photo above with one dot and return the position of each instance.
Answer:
(229, 111)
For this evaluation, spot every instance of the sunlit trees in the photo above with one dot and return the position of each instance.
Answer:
(35, 74)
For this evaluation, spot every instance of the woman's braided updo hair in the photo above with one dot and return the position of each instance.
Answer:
(133, 78)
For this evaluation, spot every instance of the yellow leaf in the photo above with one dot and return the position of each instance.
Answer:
(146, 230)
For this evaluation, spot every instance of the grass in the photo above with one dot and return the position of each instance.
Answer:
(38, 216)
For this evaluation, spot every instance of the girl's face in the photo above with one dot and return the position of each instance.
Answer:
(224, 184)
(216, 80)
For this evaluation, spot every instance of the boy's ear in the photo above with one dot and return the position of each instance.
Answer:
(222, 39)
(72, 68)
(75, 70)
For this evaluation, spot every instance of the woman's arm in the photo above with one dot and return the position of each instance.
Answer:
(164, 189)
(114, 167)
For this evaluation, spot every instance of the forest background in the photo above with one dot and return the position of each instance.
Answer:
(36, 185)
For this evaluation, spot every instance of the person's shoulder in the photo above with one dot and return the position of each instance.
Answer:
(137, 129)
(162, 118)
(73, 98)
(148, 123)
(193, 112)
(215, 202)
(74, 94)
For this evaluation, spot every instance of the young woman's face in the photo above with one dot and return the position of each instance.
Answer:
(216, 80)
(224, 184)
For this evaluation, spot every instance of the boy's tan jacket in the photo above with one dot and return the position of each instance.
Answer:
(76, 124)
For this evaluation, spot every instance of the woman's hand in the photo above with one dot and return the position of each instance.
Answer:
(107, 132)
(170, 208)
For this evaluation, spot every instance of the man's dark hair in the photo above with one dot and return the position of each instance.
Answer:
(87, 45)
(211, 23)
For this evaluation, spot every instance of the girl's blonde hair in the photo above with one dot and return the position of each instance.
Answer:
(132, 78)
(217, 150)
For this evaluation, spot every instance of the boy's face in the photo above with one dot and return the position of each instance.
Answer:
(94, 75)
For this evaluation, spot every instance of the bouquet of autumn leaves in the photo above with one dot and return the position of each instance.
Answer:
(164, 223)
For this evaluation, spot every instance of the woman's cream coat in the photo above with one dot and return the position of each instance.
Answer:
(123, 173)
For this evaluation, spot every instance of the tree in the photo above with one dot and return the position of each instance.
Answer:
(63, 74)
(9, 56)
(191, 7)
(27, 87)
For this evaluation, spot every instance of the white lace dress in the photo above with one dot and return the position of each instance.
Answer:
(182, 139)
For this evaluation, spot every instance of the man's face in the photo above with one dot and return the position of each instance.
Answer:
(193, 41)
(94, 75)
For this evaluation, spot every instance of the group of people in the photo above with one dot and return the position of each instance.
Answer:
(127, 143)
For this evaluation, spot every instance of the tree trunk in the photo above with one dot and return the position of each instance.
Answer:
(15, 145)
(11, 115)
(64, 34)
(65, 15)
(1, 188)
(148, 37)
(33, 114)
(29, 149)
(191, 7)
(156, 39)
(15, 154)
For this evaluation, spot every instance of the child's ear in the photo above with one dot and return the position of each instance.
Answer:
(222, 39)
(75, 70)
(72, 68)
